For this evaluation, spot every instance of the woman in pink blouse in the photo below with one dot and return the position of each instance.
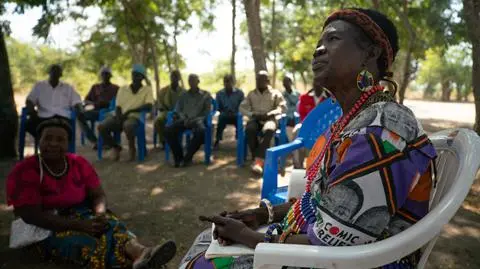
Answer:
(61, 192)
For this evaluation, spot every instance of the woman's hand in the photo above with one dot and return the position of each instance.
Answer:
(234, 230)
(253, 218)
(94, 227)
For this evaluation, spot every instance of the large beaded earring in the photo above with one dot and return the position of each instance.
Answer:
(364, 80)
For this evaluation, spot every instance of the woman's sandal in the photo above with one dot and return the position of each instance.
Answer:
(156, 257)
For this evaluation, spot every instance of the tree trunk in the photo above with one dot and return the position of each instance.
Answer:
(459, 93)
(155, 67)
(471, 10)
(274, 45)
(403, 14)
(8, 110)
(428, 92)
(446, 91)
(167, 55)
(175, 45)
(252, 11)
(234, 46)
(304, 79)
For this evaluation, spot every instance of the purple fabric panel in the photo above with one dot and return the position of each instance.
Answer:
(403, 172)
(376, 130)
(357, 154)
(203, 263)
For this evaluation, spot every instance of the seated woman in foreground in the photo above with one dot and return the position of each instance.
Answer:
(368, 177)
(61, 192)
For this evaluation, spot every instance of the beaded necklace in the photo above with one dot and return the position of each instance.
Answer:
(304, 210)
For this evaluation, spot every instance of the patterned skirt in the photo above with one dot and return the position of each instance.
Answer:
(105, 251)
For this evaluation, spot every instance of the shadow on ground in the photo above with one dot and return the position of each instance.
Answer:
(159, 202)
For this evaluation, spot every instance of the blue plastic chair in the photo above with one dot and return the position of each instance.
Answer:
(314, 125)
(23, 132)
(140, 134)
(242, 148)
(111, 107)
(207, 146)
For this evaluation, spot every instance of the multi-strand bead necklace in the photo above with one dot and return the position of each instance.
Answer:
(304, 210)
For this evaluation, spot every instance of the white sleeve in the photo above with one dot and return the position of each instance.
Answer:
(74, 97)
(33, 95)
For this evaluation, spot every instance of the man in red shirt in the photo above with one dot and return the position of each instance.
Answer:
(99, 96)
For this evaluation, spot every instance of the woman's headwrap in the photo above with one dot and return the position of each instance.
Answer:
(369, 27)
(56, 122)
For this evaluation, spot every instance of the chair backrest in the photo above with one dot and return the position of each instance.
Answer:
(457, 163)
(318, 120)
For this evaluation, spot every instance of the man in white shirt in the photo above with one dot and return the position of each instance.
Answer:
(49, 99)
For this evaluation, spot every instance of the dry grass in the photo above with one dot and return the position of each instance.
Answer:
(159, 202)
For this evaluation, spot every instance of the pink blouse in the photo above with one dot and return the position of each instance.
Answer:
(24, 187)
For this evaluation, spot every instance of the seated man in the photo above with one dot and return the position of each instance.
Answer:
(52, 98)
(166, 100)
(131, 100)
(190, 112)
(228, 102)
(307, 103)
(291, 97)
(99, 96)
(262, 105)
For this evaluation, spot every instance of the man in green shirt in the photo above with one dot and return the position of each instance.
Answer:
(190, 112)
(166, 100)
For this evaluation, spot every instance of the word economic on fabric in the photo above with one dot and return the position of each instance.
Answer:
(332, 233)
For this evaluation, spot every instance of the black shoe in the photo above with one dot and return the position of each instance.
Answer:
(177, 165)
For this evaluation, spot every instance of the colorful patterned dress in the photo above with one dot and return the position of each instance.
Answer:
(374, 182)
(68, 196)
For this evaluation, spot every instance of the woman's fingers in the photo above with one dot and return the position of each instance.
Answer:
(219, 220)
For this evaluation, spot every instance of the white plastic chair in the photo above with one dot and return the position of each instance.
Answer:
(457, 164)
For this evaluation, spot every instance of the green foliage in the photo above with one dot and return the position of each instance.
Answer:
(450, 68)
(29, 64)
(213, 81)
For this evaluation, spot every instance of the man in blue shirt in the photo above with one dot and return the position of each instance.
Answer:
(228, 101)
(291, 96)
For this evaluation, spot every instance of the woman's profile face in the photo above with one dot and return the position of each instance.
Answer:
(53, 142)
(338, 57)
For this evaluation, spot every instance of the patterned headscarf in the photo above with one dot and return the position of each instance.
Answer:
(369, 26)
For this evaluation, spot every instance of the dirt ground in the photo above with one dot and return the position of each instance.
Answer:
(159, 202)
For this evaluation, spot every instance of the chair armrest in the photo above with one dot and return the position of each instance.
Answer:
(309, 256)
(24, 113)
(209, 119)
(270, 171)
(143, 116)
(169, 118)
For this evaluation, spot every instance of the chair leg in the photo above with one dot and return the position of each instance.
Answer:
(208, 145)
(82, 138)
(154, 137)
(99, 147)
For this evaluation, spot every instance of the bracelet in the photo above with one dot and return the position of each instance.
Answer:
(284, 236)
(269, 233)
(269, 207)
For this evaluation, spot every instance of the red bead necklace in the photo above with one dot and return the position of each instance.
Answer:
(337, 129)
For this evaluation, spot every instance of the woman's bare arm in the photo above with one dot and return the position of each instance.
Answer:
(34, 215)
(99, 200)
